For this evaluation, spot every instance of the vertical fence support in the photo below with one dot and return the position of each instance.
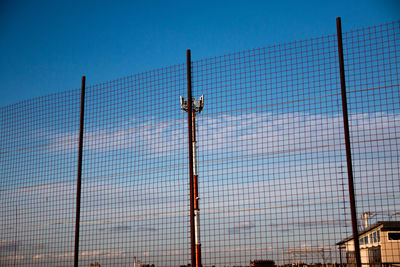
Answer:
(79, 176)
(190, 111)
(348, 148)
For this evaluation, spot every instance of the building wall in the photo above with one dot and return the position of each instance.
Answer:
(390, 249)
(363, 252)
(365, 248)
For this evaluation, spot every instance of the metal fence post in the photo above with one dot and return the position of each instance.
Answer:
(79, 175)
(347, 141)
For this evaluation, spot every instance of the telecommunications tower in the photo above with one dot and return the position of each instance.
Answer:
(192, 107)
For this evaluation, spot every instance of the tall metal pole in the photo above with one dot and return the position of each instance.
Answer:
(191, 173)
(192, 107)
(79, 179)
(348, 148)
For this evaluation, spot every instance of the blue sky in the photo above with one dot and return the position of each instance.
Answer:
(280, 160)
(46, 46)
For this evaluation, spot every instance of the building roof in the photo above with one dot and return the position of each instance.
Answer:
(387, 226)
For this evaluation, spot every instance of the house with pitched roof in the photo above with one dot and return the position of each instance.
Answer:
(379, 245)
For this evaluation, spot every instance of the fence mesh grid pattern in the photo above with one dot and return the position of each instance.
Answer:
(271, 160)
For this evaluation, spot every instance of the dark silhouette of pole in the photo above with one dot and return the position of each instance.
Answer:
(79, 176)
(347, 141)
(190, 133)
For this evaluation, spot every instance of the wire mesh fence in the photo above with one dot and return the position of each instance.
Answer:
(374, 101)
(270, 158)
(271, 154)
(135, 196)
(38, 180)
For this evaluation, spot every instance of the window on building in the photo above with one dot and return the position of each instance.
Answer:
(364, 240)
(351, 257)
(378, 235)
(393, 235)
(374, 238)
(374, 255)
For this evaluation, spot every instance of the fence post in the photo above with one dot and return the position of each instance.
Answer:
(79, 175)
(347, 141)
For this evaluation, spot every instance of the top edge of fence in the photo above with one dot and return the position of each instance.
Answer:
(157, 70)
(27, 102)
(291, 43)
(372, 27)
(88, 87)
(280, 45)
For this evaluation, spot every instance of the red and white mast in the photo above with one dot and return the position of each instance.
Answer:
(196, 106)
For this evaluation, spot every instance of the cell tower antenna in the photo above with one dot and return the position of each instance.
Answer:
(197, 107)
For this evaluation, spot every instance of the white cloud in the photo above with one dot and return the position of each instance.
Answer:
(245, 134)
(115, 253)
(12, 258)
(39, 256)
(65, 255)
(155, 138)
(267, 133)
(92, 253)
